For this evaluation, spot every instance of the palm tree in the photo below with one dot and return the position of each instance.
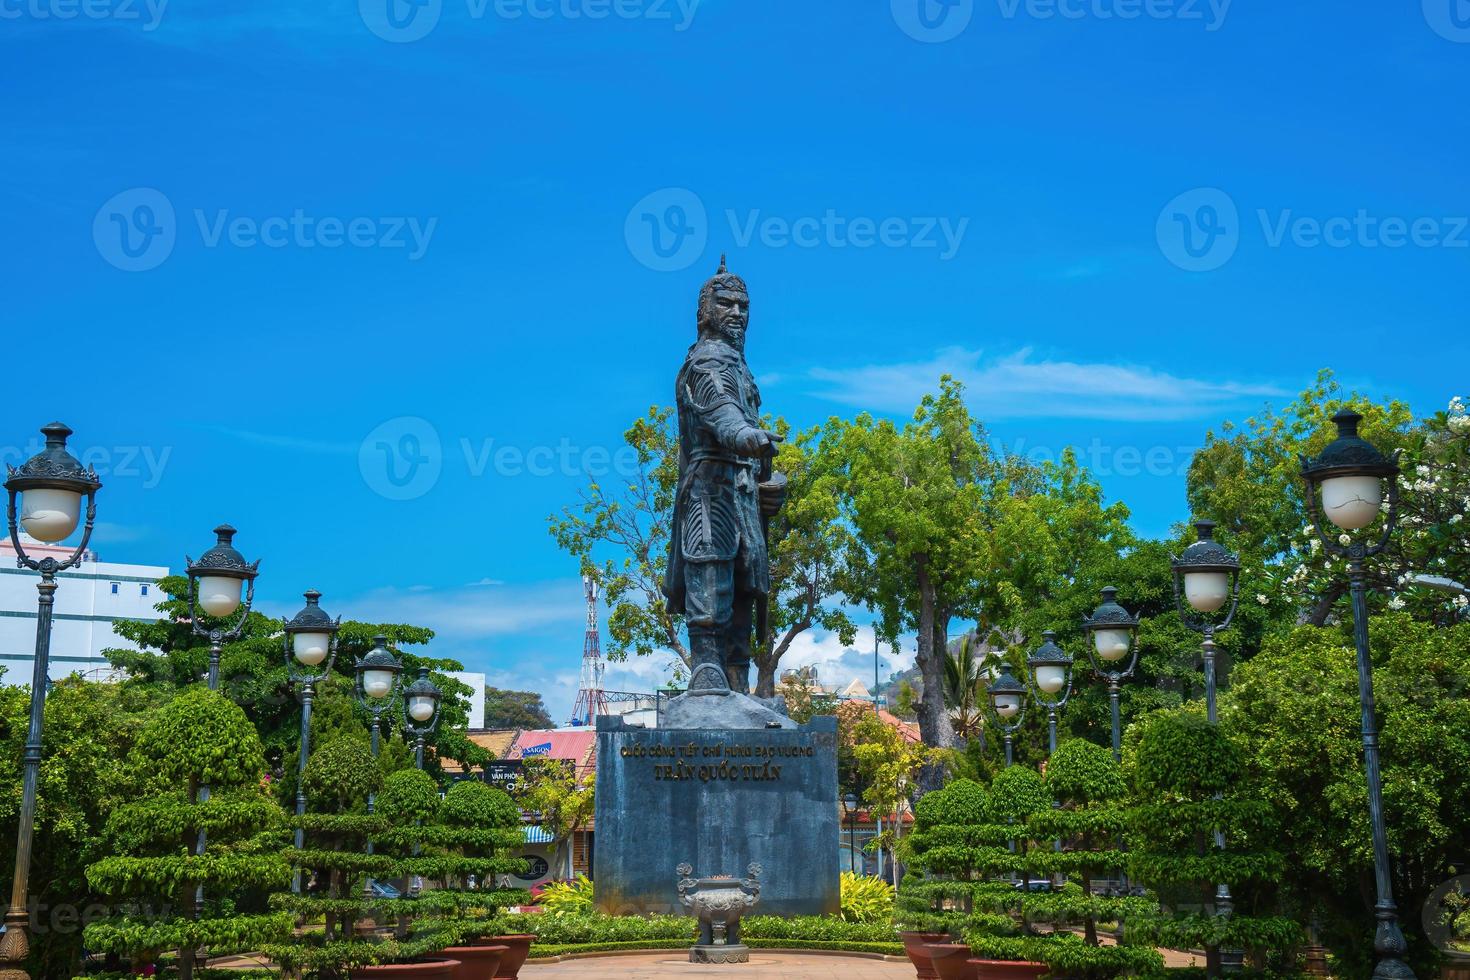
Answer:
(964, 688)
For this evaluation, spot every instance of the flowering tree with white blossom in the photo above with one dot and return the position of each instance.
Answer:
(1248, 478)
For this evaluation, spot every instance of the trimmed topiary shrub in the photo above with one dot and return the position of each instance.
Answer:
(455, 848)
(1089, 820)
(982, 857)
(1187, 775)
(198, 740)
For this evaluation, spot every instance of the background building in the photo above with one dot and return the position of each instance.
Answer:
(89, 599)
(476, 684)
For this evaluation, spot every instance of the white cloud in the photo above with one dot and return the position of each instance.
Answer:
(474, 612)
(1020, 385)
(838, 665)
(318, 447)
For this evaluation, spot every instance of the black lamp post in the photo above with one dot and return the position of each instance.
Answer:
(377, 680)
(1207, 579)
(50, 486)
(215, 583)
(1350, 475)
(310, 643)
(1008, 700)
(1051, 674)
(1114, 639)
(420, 717)
(850, 804)
(421, 712)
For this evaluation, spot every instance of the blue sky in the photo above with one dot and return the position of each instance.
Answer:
(256, 251)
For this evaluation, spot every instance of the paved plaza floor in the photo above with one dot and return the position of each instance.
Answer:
(763, 965)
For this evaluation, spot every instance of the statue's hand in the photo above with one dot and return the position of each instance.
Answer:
(773, 495)
(758, 443)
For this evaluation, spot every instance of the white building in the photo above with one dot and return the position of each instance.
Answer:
(476, 684)
(89, 599)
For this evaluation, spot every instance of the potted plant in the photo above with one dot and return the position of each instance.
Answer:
(339, 938)
(1077, 844)
(931, 904)
(477, 828)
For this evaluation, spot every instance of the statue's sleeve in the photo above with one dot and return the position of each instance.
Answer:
(710, 389)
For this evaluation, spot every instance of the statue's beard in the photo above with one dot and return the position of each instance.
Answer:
(731, 332)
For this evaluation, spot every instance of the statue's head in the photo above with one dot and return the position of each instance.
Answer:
(724, 308)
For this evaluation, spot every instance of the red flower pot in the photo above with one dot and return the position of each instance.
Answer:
(952, 961)
(426, 969)
(517, 948)
(916, 945)
(1008, 970)
(476, 962)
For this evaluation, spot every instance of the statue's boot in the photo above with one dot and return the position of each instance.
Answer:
(737, 674)
(707, 675)
(709, 702)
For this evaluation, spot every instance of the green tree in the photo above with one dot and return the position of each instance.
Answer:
(515, 709)
(88, 728)
(1294, 710)
(560, 796)
(477, 827)
(336, 910)
(621, 535)
(155, 867)
(888, 767)
(917, 498)
(334, 862)
(946, 527)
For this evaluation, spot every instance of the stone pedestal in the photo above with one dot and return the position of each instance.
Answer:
(719, 800)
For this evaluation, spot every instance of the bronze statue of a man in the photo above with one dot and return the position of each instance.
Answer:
(719, 569)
